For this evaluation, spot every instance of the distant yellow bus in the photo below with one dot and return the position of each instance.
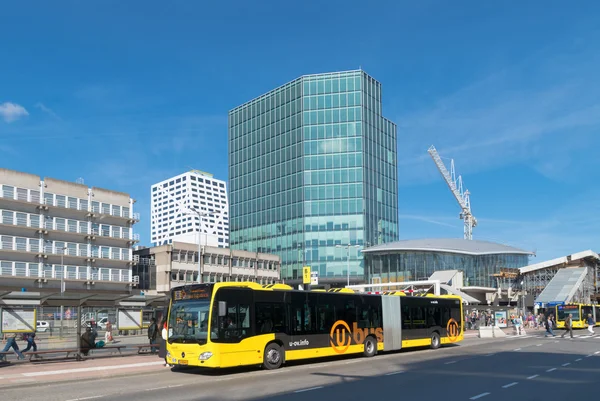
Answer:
(579, 314)
(237, 324)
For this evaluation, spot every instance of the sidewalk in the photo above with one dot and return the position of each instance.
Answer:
(52, 372)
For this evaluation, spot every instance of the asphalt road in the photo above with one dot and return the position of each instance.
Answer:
(534, 368)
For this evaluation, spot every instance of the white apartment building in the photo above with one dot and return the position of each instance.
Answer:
(189, 208)
(53, 229)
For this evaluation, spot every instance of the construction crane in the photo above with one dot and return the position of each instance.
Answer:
(456, 186)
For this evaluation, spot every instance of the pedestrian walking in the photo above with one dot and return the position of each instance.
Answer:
(568, 326)
(549, 323)
(11, 342)
(30, 338)
(152, 334)
(591, 323)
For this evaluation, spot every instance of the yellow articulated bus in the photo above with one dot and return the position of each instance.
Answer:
(240, 324)
(579, 314)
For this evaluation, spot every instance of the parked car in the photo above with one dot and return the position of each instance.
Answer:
(42, 326)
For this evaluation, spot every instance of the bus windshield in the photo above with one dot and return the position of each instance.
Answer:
(188, 322)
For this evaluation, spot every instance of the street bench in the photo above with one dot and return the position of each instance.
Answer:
(147, 347)
(117, 347)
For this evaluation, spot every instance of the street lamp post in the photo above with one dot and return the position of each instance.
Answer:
(348, 258)
(62, 286)
(200, 225)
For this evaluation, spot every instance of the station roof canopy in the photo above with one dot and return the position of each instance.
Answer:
(448, 245)
(13, 298)
(562, 261)
(47, 292)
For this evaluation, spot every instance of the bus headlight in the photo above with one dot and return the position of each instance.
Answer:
(205, 356)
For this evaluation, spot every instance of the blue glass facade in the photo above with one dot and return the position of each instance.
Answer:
(313, 165)
(401, 266)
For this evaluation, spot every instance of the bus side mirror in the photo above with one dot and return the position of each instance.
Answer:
(222, 308)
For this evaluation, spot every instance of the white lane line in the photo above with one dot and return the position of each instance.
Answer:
(597, 352)
(510, 385)
(566, 364)
(518, 349)
(578, 360)
(394, 373)
(589, 356)
(479, 396)
(86, 398)
(450, 363)
(94, 369)
(490, 355)
(308, 389)
(532, 377)
(538, 345)
(551, 370)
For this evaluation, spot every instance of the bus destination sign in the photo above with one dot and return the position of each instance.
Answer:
(191, 293)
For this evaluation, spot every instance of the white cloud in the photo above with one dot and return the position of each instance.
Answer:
(47, 110)
(12, 112)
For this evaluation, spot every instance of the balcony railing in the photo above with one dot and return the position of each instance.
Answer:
(115, 275)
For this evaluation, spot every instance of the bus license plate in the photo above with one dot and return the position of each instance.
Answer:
(183, 362)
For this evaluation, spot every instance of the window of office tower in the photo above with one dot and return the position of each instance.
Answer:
(312, 166)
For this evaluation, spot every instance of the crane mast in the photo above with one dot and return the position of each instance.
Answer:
(456, 187)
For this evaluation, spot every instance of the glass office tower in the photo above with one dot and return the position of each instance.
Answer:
(312, 169)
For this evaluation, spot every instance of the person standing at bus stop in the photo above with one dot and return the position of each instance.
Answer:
(568, 326)
(152, 334)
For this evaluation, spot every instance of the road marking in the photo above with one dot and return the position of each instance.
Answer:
(479, 396)
(86, 398)
(551, 370)
(566, 364)
(394, 373)
(589, 356)
(94, 369)
(578, 360)
(538, 345)
(308, 389)
(510, 385)
(449, 363)
(532, 377)
(556, 341)
(597, 352)
(518, 349)
(490, 355)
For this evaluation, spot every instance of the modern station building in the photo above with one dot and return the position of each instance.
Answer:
(313, 175)
(411, 260)
(192, 207)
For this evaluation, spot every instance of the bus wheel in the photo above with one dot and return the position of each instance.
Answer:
(273, 357)
(370, 347)
(435, 340)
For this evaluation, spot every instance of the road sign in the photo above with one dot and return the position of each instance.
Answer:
(306, 275)
(314, 278)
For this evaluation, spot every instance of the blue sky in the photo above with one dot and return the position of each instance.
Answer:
(125, 94)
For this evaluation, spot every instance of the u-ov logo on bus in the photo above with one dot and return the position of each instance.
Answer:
(340, 336)
(453, 330)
